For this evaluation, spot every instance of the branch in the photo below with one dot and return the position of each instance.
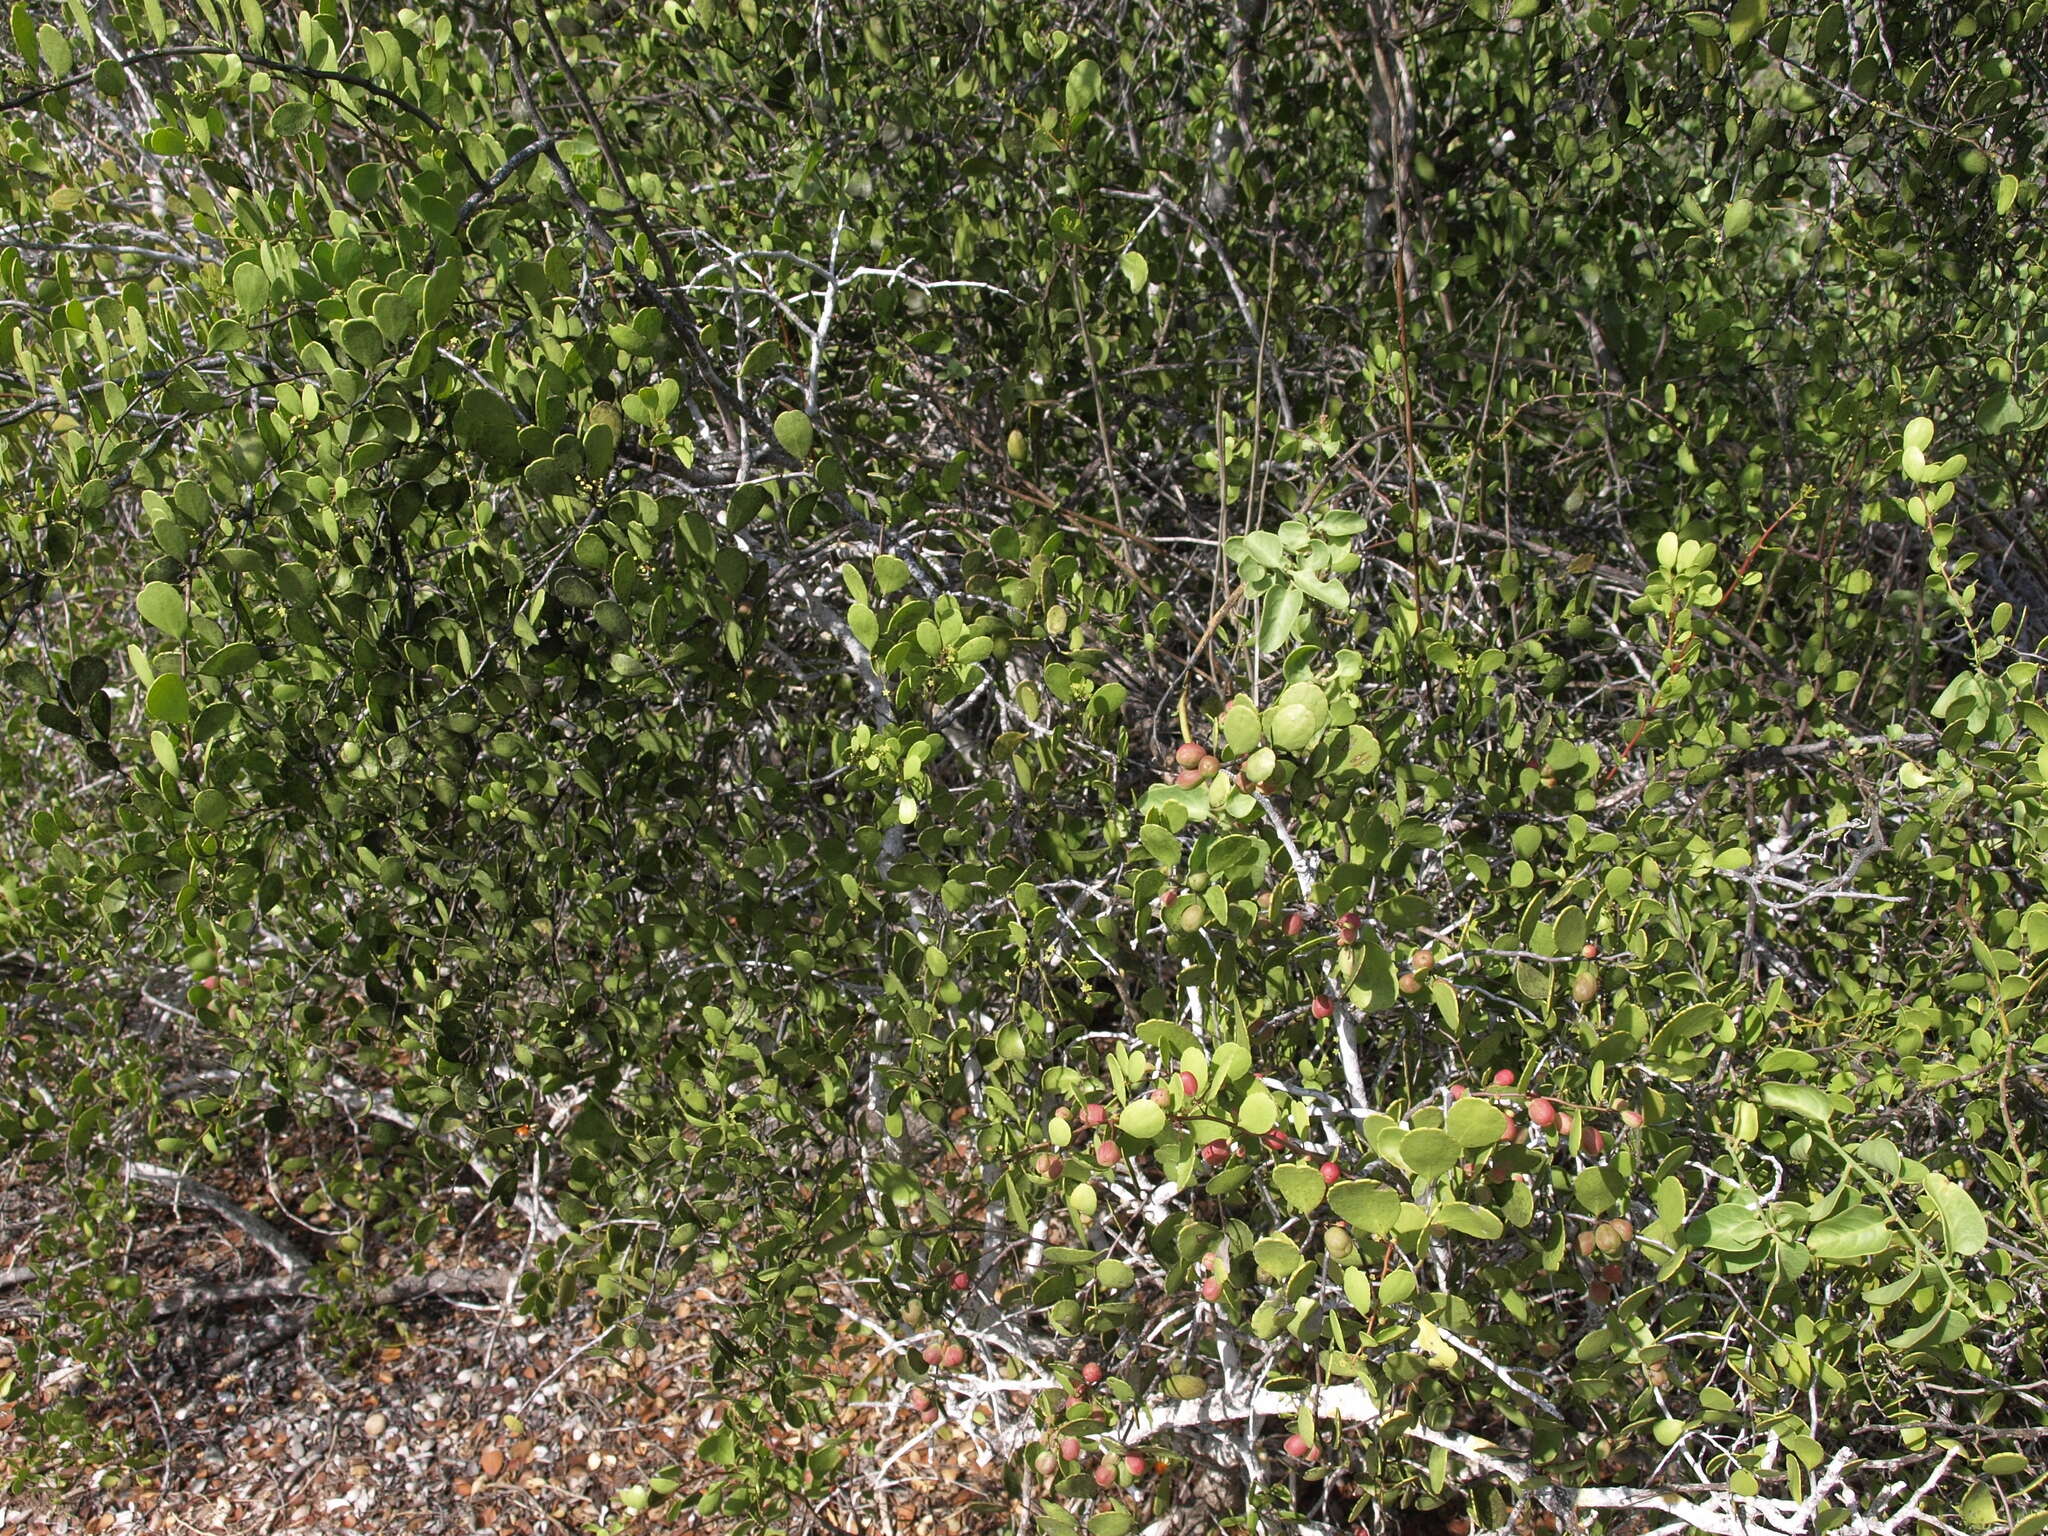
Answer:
(169, 1184)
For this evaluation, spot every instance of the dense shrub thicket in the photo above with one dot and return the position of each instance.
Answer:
(1299, 736)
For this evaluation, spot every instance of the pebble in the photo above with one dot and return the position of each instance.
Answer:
(375, 1425)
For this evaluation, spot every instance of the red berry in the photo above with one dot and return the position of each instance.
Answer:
(1624, 1229)
(1297, 1446)
(1212, 1289)
(1216, 1153)
(1322, 1007)
(1591, 951)
(1105, 1473)
(1275, 1140)
(1458, 1091)
(960, 1280)
(1208, 767)
(1070, 1448)
(1297, 924)
(1108, 1153)
(1332, 1172)
(929, 1416)
(1190, 1085)
(1189, 754)
(211, 983)
(1542, 1112)
(1596, 1141)
(1092, 1372)
(1564, 1123)
(1136, 1465)
(1504, 1078)
(1632, 1118)
(953, 1357)
(920, 1399)
(932, 1351)
(1093, 1114)
(1348, 927)
(1188, 778)
(1511, 1131)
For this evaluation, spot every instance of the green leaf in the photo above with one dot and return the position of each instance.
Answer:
(891, 574)
(486, 424)
(1457, 1216)
(168, 701)
(1727, 1229)
(1367, 1204)
(1474, 1122)
(1298, 716)
(1429, 1154)
(1115, 1275)
(232, 660)
(1276, 1256)
(1278, 616)
(163, 606)
(55, 49)
(1084, 86)
(1300, 1185)
(1136, 270)
(1142, 1119)
(1797, 1099)
(794, 432)
(1963, 1228)
(1857, 1233)
(1258, 1113)
(1745, 19)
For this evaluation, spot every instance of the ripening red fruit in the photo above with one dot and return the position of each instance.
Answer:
(1348, 928)
(1632, 1118)
(1297, 924)
(1624, 1228)
(1275, 1140)
(1189, 754)
(1542, 1112)
(1585, 987)
(1216, 1153)
(1092, 1372)
(1190, 1085)
(932, 1351)
(1332, 1172)
(1504, 1078)
(952, 1357)
(1045, 1464)
(1208, 767)
(1105, 1473)
(1297, 1446)
(1408, 983)
(1070, 1448)
(1586, 1243)
(1212, 1289)
(929, 1416)
(1565, 1122)
(1136, 1465)
(1511, 1131)
(1187, 778)
(1612, 1273)
(920, 1399)
(1160, 1097)
(1596, 1141)
(1498, 1173)
(960, 1280)
(1600, 1290)
(1322, 1007)
(1590, 952)
(1458, 1091)
(1108, 1153)
(1422, 959)
(211, 983)
(1093, 1114)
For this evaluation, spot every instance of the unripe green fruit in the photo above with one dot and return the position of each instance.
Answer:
(351, 753)
(1191, 917)
(1015, 446)
(1265, 1322)
(1338, 1243)
(1606, 1239)
(1261, 765)
(1065, 1317)
(1585, 987)
(1199, 880)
